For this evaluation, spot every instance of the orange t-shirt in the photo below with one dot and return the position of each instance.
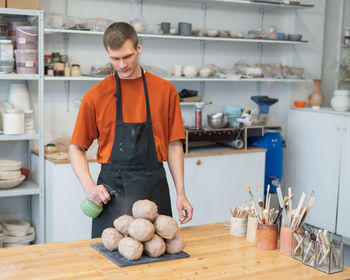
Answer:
(97, 114)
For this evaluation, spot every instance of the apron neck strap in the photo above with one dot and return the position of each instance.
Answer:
(118, 95)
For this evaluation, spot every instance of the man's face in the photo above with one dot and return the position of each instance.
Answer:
(125, 60)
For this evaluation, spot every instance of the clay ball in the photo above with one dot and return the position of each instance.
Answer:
(110, 238)
(176, 245)
(154, 247)
(145, 209)
(141, 229)
(165, 226)
(122, 223)
(130, 248)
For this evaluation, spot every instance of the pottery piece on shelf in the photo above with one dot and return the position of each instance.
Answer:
(316, 96)
(190, 71)
(341, 100)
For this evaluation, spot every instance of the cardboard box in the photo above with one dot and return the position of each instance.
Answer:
(24, 4)
(2, 3)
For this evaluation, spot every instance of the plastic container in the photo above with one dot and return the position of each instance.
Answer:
(29, 125)
(6, 56)
(11, 31)
(26, 61)
(272, 142)
(27, 37)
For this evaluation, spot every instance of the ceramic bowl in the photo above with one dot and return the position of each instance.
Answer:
(294, 37)
(299, 103)
(190, 71)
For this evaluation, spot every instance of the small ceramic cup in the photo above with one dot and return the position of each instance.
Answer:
(266, 236)
(178, 70)
(239, 226)
(251, 229)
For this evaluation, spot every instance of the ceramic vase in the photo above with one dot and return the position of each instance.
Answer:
(341, 100)
(316, 96)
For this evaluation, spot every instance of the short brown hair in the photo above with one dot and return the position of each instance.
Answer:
(118, 33)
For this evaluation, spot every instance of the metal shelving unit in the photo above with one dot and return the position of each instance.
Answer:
(33, 188)
(262, 7)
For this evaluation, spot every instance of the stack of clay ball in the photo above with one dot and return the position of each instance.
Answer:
(144, 232)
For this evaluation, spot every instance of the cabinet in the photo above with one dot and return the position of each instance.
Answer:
(27, 200)
(318, 158)
(213, 184)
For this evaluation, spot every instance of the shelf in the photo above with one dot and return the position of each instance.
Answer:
(183, 79)
(21, 12)
(81, 78)
(264, 80)
(25, 188)
(19, 77)
(19, 137)
(345, 46)
(178, 37)
(246, 3)
(195, 103)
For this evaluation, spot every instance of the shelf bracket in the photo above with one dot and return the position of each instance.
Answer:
(202, 52)
(258, 88)
(67, 91)
(139, 7)
(204, 11)
(201, 88)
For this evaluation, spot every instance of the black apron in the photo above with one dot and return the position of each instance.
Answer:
(134, 171)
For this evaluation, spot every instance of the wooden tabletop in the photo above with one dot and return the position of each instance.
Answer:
(215, 254)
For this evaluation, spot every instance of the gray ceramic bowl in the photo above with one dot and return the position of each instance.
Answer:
(294, 37)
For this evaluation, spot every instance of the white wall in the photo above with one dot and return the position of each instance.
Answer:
(89, 50)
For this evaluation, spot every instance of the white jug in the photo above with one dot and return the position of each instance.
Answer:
(341, 100)
(19, 96)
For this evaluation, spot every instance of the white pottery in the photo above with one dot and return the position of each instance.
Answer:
(190, 71)
(19, 96)
(204, 73)
(341, 100)
(13, 122)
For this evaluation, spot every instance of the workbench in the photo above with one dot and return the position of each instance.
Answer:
(214, 254)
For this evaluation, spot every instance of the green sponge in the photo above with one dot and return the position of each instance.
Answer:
(90, 208)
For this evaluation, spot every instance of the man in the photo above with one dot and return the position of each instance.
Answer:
(136, 118)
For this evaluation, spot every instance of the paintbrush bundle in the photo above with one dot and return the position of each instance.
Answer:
(318, 249)
(241, 211)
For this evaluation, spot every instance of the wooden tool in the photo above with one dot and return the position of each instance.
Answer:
(290, 205)
(280, 199)
(308, 207)
(296, 217)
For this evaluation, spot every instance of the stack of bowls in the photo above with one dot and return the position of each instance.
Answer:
(233, 113)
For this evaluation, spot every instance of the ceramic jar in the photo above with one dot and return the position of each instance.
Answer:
(316, 96)
(190, 71)
(341, 100)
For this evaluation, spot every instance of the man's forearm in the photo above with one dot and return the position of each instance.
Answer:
(176, 165)
(80, 165)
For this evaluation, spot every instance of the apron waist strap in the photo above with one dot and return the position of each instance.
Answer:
(134, 168)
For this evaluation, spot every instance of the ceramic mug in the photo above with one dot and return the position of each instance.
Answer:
(178, 70)
(266, 236)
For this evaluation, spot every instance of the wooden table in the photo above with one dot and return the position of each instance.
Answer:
(215, 254)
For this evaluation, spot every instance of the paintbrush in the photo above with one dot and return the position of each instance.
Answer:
(298, 211)
(267, 196)
(252, 200)
(285, 202)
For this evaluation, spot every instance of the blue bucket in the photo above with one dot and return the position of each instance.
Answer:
(272, 142)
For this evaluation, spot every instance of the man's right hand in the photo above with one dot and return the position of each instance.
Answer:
(97, 194)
